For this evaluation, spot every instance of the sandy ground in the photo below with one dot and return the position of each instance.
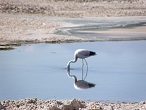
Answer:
(18, 30)
(73, 9)
(27, 27)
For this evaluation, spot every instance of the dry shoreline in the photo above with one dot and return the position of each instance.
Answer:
(29, 30)
(38, 29)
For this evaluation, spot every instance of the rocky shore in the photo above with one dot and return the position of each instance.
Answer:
(75, 104)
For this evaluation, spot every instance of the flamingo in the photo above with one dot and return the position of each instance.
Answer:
(82, 54)
(79, 84)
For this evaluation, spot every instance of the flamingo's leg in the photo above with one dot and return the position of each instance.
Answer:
(82, 69)
(86, 70)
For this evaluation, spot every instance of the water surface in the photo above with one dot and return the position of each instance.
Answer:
(39, 70)
(127, 28)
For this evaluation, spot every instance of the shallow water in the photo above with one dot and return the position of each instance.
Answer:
(39, 70)
(101, 28)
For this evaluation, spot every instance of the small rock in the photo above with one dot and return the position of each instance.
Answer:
(2, 107)
(32, 101)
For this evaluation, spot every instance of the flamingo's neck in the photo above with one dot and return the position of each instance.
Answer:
(68, 69)
(75, 78)
(71, 61)
(72, 76)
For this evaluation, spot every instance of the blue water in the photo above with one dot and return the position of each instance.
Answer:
(39, 70)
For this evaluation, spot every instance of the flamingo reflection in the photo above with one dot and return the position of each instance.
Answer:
(79, 84)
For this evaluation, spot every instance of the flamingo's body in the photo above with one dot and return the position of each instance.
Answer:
(81, 54)
(81, 85)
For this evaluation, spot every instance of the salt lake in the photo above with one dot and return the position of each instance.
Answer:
(39, 70)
